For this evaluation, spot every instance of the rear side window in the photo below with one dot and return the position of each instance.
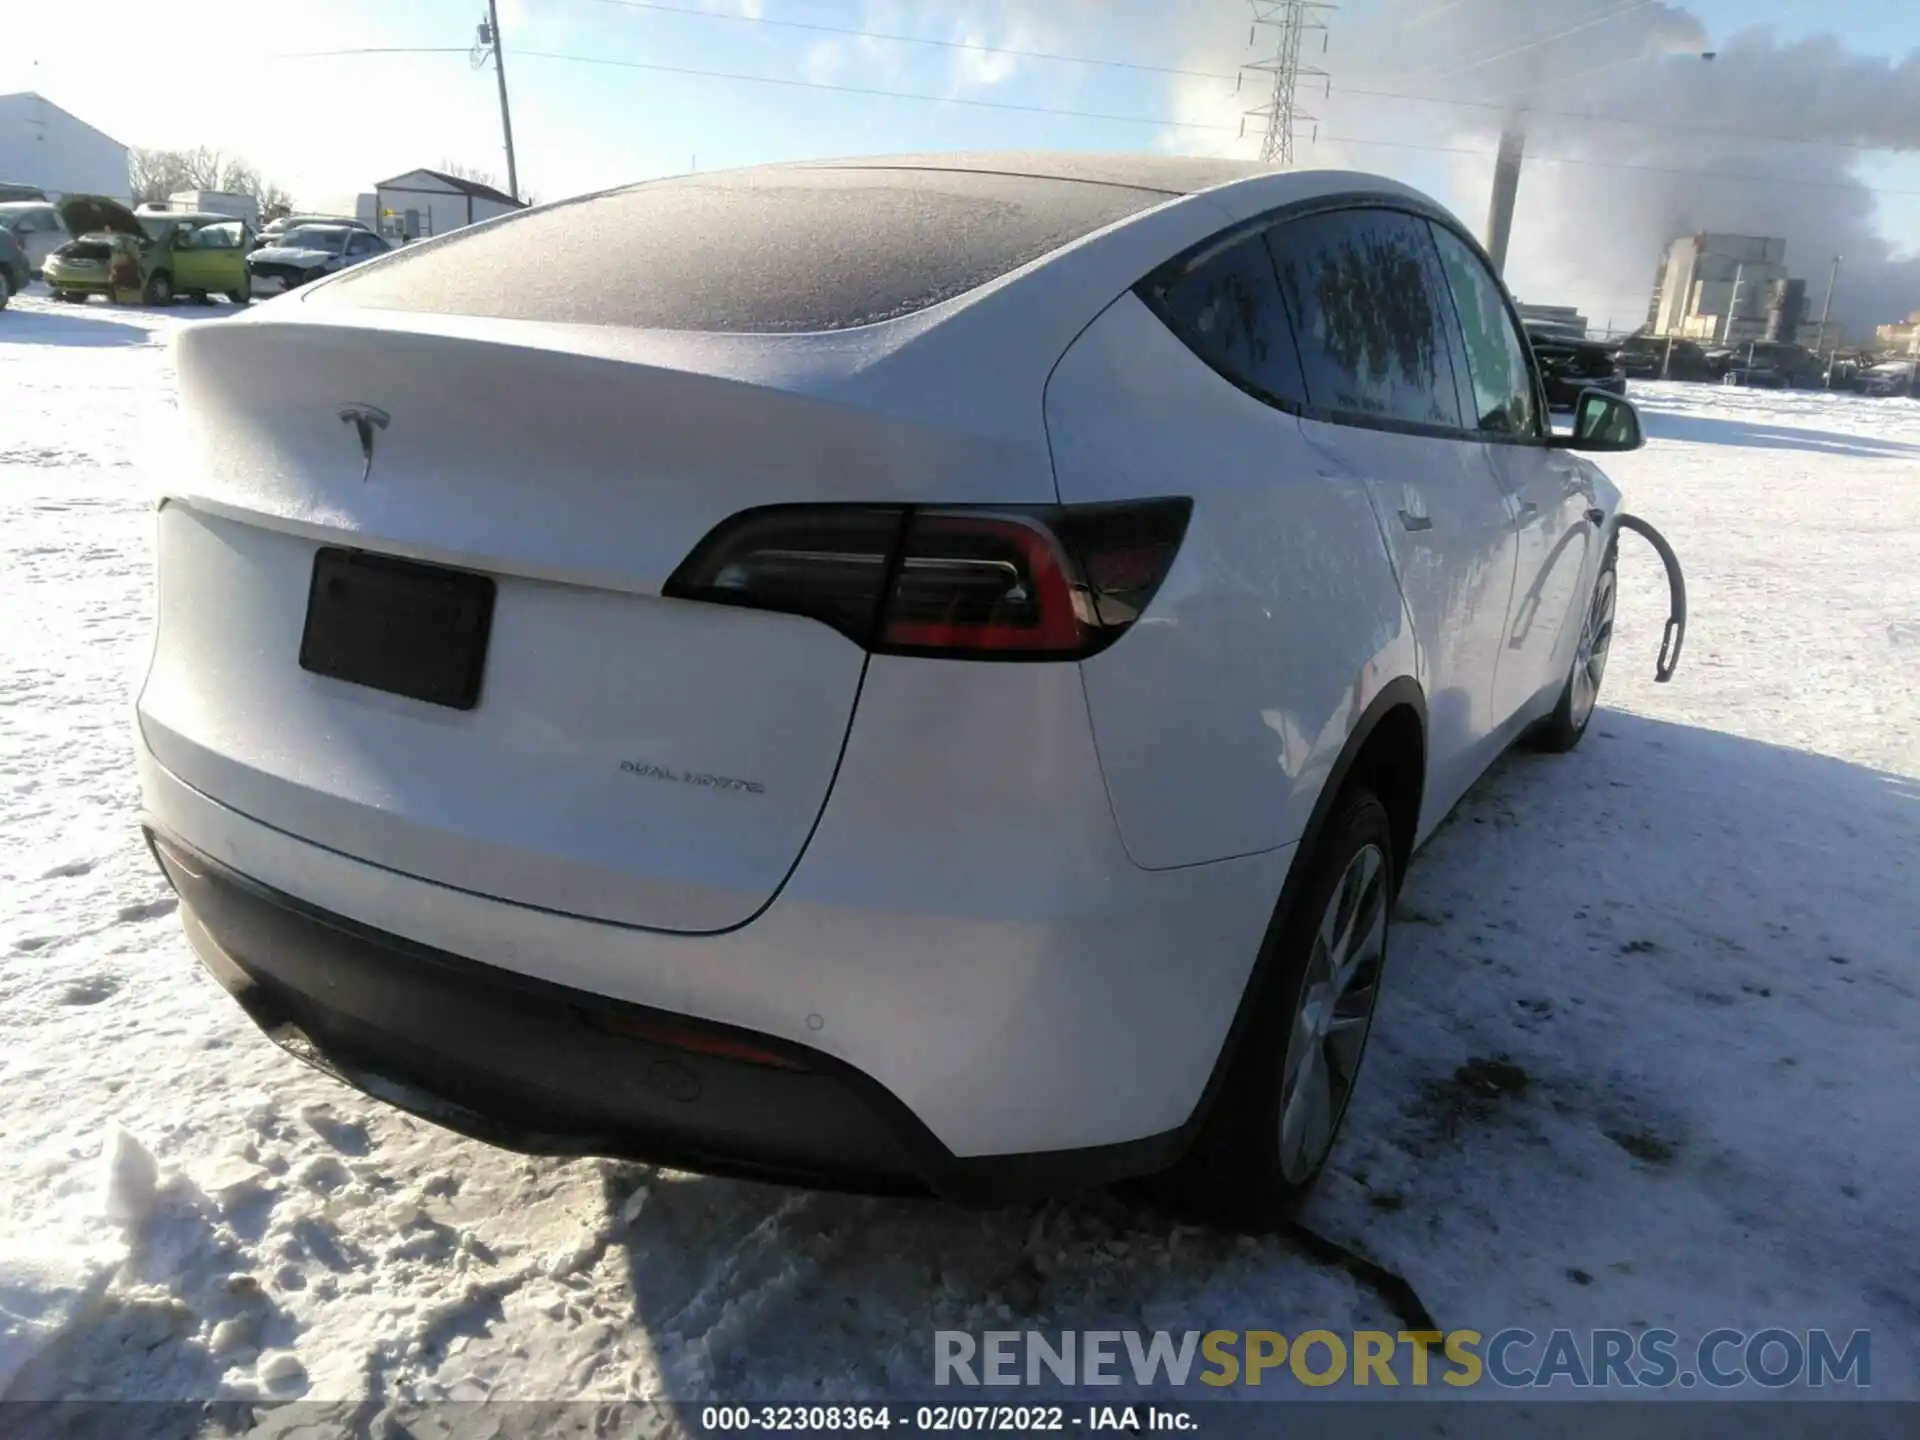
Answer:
(1225, 305)
(771, 251)
(1498, 368)
(1366, 298)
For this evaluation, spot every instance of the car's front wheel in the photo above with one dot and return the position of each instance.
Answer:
(244, 295)
(1276, 1121)
(6, 288)
(159, 288)
(1563, 729)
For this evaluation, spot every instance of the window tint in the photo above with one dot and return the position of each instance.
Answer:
(1226, 307)
(1367, 305)
(1497, 354)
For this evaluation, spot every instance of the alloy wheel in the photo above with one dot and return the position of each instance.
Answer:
(1335, 1011)
(1590, 660)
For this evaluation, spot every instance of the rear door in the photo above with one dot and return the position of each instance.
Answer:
(1370, 313)
(1546, 493)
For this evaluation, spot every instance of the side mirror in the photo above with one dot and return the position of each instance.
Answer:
(1603, 421)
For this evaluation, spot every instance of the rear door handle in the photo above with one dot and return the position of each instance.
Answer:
(1415, 522)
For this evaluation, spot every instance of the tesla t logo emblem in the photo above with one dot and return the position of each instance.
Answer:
(365, 419)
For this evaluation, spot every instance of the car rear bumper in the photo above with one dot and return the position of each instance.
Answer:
(527, 1065)
(983, 1059)
(88, 282)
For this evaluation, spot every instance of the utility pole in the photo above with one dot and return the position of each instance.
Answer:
(1292, 20)
(1826, 314)
(489, 44)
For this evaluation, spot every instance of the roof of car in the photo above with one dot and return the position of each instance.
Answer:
(1167, 174)
(799, 247)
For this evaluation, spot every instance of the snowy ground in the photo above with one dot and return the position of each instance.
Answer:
(1696, 937)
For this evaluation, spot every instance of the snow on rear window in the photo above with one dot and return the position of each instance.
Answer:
(769, 251)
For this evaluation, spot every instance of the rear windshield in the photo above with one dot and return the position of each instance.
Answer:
(777, 251)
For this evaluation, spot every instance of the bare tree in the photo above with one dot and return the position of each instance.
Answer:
(153, 175)
(471, 172)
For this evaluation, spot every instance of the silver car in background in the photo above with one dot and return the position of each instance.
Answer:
(307, 252)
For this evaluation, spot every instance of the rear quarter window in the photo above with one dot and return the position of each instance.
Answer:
(1224, 305)
(771, 251)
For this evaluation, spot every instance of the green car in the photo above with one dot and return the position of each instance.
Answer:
(156, 254)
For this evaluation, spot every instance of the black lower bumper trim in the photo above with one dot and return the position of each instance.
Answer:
(545, 1069)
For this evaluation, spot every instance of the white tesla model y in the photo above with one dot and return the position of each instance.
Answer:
(900, 673)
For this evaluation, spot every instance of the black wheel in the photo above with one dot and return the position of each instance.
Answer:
(242, 296)
(68, 297)
(1277, 1119)
(6, 288)
(159, 289)
(1563, 729)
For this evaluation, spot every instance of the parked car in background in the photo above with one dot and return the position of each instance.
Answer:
(275, 230)
(1049, 615)
(1767, 364)
(36, 225)
(1571, 363)
(307, 252)
(14, 269)
(1889, 377)
(21, 192)
(1640, 357)
(174, 256)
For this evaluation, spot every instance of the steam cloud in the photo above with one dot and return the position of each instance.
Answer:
(1726, 145)
(1765, 139)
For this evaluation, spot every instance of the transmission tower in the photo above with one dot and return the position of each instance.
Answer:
(1292, 21)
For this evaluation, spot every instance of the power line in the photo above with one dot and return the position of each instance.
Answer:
(371, 50)
(788, 83)
(869, 90)
(1611, 15)
(1703, 174)
(1433, 14)
(1506, 105)
(1056, 57)
(854, 32)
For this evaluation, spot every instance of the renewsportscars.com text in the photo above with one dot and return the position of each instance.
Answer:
(1512, 1359)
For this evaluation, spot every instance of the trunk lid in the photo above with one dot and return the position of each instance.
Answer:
(633, 759)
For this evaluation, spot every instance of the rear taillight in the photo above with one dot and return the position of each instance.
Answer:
(1012, 583)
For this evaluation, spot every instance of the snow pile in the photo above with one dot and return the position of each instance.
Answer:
(1648, 1044)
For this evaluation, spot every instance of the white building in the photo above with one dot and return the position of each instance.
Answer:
(427, 202)
(43, 145)
(1719, 287)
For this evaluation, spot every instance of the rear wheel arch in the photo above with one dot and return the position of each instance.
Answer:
(1386, 751)
(1392, 762)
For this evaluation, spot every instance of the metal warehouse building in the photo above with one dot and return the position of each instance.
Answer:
(45, 146)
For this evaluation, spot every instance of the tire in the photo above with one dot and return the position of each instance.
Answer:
(1567, 725)
(1262, 1149)
(244, 295)
(67, 297)
(6, 289)
(159, 289)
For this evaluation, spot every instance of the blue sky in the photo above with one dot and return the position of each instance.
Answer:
(582, 125)
(329, 127)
